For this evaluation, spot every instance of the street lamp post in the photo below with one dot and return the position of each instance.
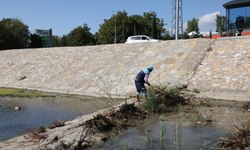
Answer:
(115, 24)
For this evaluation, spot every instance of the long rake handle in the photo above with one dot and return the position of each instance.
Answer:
(158, 89)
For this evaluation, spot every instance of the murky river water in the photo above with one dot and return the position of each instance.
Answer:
(185, 130)
(177, 137)
(37, 112)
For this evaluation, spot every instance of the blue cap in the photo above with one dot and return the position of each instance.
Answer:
(151, 67)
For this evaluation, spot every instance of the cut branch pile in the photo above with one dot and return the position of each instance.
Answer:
(113, 123)
(240, 140)
(247, 106)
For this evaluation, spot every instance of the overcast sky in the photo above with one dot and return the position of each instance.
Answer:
(62, 16)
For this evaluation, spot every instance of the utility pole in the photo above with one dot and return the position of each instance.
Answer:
(177, 18)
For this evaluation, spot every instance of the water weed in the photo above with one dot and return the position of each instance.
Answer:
(208, 142)
(163, 132)
(148, 139)
(20, 133)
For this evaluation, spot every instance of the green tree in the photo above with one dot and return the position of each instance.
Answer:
(63, 41)
(185, 35)
(96, 37)
(107, 29)
(143, 25)
(35, 41)
(56, 41)
(193, 26)
(69, 37)
(166, 35)
(153, 32)
(221, 22)
(14, 34)
(81, 36)
(148, 18)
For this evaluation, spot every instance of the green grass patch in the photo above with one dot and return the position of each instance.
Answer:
(196, 91)
(20, 93)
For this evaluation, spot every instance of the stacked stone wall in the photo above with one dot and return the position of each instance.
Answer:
(224, 72)
(96, 70)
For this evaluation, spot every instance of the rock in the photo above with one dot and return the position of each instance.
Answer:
(54, 146)
(17, 108)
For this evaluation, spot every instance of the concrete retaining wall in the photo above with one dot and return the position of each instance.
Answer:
(91, 70)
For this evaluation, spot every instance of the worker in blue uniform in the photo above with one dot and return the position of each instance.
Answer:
(141, 78)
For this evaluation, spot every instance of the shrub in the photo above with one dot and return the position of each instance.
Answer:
(34, 134)
(55, 123)
(41, 129)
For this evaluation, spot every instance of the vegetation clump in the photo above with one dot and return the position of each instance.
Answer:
(173, 98)
(41, 129)
(34, 134)
(56, 123)
(19, 93)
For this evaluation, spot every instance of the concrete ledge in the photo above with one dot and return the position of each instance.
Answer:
(230, 95)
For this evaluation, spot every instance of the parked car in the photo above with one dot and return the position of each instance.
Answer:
(140, 38)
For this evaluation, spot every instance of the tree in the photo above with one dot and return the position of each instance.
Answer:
(107, 29)
(63, 41)
(221, 22)
(185, 35)
(153, 31)
(35, 41)
(81, 36)
(148, 22)
(14, 34)
(96, 37)
(56, 41)
(193, 26)
(143, 24)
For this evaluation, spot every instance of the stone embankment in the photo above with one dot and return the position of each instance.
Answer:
(224, 73)
(96, 70)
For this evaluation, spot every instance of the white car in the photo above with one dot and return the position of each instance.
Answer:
(140, 38)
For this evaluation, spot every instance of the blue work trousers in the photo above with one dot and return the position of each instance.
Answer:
(140, 88)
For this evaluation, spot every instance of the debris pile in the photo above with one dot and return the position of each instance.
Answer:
(110, 124)
(247, 106)
(240, 140)
(172, 98)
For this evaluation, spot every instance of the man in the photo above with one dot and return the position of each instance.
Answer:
(141, 78)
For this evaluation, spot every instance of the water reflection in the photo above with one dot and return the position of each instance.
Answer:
(178, 137)
(37, 112)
